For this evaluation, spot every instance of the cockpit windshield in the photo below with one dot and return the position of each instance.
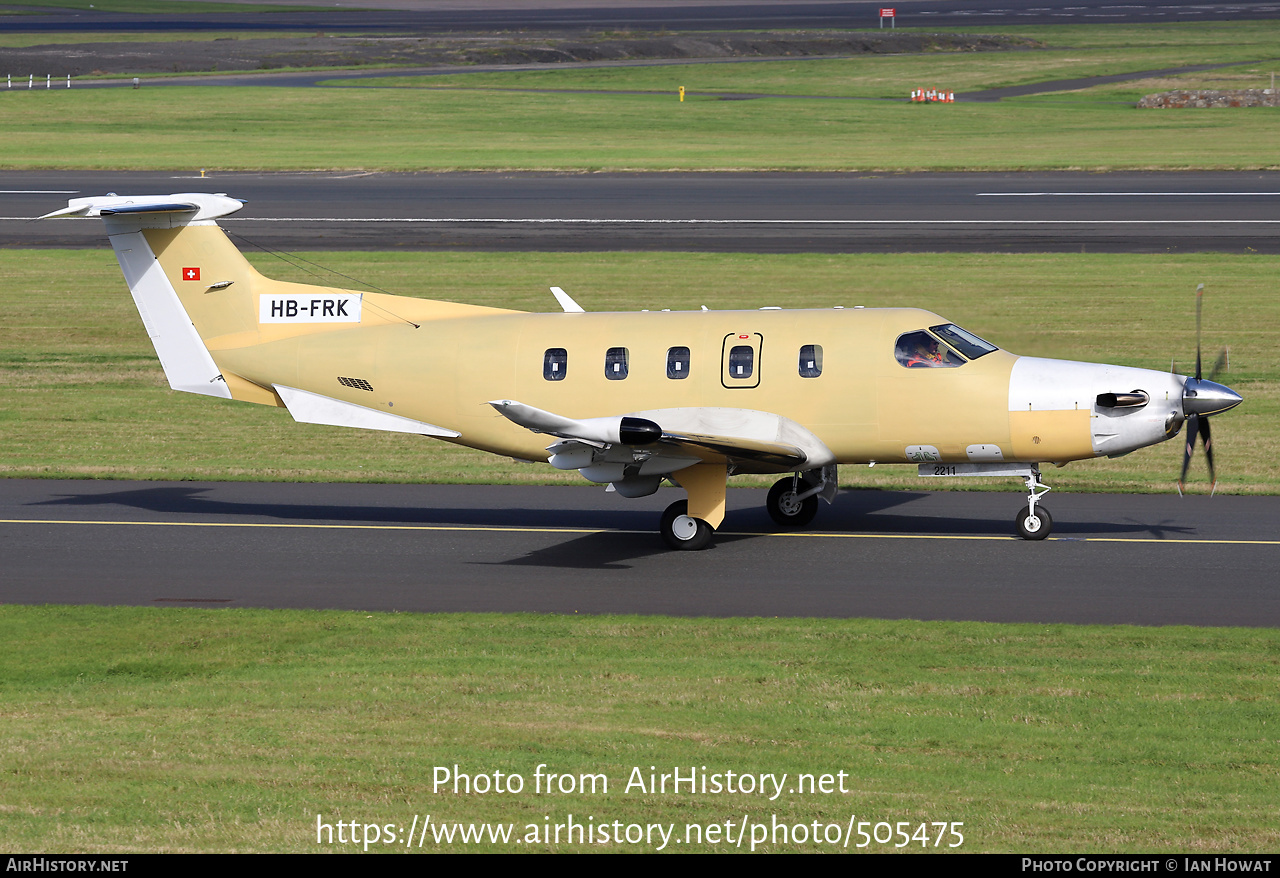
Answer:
(964, 341)
(920, 350)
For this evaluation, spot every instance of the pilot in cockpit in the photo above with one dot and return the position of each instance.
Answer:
(919, 350)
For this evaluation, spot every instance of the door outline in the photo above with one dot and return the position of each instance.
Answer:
(753, 340)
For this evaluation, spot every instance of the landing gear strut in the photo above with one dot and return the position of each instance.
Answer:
(1033, 523)
(689, 524)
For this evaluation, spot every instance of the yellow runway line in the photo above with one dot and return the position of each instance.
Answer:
(429, 527)
(573, 530)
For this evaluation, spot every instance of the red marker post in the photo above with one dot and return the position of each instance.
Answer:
(891, 14)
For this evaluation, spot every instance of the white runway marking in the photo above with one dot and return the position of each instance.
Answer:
(742, 222)
(1123, 194)
(620, 221)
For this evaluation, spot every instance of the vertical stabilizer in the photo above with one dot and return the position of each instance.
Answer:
(184, 356)
(186, 361)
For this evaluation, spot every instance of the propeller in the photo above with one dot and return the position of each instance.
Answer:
(1202, 397)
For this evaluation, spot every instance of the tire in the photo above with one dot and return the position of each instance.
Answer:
(785, 510)
(1035, 527)
(683, 533)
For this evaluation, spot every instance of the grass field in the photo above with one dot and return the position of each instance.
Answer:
(81, 394)
(1070, 53)
(256, 128)
(485, 126)
(131, 730)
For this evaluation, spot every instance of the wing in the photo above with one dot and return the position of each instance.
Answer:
(635, 452)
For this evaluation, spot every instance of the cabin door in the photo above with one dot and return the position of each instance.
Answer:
(740, 359)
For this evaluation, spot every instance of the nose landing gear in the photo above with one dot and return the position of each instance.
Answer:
(1033, 523)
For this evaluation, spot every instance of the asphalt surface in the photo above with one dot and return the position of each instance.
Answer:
(553, 15)
(773, 213)
(1144, 560)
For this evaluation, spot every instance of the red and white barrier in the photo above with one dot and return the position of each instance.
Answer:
(932, 96)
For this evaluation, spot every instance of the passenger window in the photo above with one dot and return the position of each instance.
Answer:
(615, 364)
(555, 363)
(810, 360)
(741, 361)
(920, 350)
(677, 362)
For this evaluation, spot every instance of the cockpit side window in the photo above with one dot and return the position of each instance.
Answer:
(964, 341)
(920, 350)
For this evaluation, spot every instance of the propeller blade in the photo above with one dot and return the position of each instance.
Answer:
(1218, 364)
(1199, 303)
(1207, 442)
(1193, 430)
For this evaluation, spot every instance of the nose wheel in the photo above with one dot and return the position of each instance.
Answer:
(1034, 525)
(1034, 522)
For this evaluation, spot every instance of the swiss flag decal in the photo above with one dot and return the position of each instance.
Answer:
(191, 274)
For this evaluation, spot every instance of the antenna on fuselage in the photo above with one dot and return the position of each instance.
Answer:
(566, 301)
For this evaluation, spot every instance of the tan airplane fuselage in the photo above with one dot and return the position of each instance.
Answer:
(441, 362)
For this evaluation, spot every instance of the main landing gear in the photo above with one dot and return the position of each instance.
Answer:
(793, 502)
(688, 525)
(680, 531)
(1034, 523)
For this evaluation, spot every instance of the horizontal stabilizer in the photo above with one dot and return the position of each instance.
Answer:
(149, 208)
(201, 206)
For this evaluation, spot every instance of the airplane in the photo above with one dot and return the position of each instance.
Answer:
(631, 400)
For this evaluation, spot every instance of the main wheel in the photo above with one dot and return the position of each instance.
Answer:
(680, 531)
(1034, 527)
(785, 509)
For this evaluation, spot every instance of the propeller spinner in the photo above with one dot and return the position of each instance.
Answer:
(1202, 397)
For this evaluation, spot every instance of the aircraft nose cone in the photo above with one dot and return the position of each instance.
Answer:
(1203, 397)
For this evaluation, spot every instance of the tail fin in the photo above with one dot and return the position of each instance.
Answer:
(200, 299)
(135, 224)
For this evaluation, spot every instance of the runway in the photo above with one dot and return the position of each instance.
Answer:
(1143, 560)
(1236, 212)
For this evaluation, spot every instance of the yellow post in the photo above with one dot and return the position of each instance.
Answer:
(682, 94)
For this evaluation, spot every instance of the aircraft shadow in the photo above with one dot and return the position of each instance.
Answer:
(855, 511)
(188, 501)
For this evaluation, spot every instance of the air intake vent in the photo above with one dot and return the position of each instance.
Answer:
(357, 383)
